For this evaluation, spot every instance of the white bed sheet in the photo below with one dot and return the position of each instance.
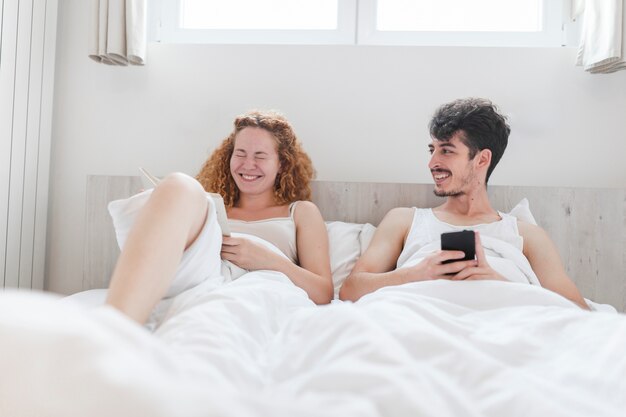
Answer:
(259, 347)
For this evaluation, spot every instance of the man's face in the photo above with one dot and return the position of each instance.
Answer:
(451, 168)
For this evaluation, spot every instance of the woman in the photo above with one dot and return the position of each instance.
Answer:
(263, 175)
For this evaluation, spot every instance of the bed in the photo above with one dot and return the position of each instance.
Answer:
(258, 347)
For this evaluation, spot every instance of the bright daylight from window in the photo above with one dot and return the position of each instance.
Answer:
(459, 15)
(255, 14)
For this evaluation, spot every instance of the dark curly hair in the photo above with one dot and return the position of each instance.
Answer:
(479, 121)
(293, 180)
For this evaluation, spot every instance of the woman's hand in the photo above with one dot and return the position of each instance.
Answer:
(249, 255)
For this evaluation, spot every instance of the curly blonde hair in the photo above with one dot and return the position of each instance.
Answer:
(293, 180)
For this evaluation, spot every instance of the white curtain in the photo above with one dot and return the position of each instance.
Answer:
(118, 32)
(603, 37)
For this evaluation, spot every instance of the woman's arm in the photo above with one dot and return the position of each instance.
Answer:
(313, 275)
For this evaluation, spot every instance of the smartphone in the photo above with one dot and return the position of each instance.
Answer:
(463, 241)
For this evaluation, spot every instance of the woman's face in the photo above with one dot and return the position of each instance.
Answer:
(254, 163)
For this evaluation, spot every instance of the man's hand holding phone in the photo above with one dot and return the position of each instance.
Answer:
(469, 243)
(464, 241)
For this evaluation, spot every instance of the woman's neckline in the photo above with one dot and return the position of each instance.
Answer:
(289, 215)
(260, 220)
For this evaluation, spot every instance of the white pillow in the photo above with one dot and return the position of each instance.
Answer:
(123, 213)
(366, 236)
(522, 212)
(346, 245)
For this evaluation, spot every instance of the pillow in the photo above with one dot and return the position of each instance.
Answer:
(346, 245)
(366, 236)
(123, 213)
(522, 212)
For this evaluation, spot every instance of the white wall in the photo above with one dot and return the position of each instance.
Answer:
(368, 107)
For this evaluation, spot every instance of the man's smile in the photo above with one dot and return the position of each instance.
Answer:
(440, 175)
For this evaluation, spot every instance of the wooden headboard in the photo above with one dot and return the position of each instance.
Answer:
(588, 225)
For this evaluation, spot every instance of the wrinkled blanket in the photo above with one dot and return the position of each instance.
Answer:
(259, 347)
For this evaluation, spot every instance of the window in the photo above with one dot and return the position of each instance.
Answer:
(259, 15)
(255, 21)
(365, 22)
(456, 16)
(461, 22)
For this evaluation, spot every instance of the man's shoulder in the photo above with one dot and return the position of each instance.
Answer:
(402, 211)
(526, 228)
(534, 236)
(396, 223)
(400, 215)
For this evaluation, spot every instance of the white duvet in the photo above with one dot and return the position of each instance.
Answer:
(259, 347)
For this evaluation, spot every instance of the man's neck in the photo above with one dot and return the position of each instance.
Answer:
(468, 209)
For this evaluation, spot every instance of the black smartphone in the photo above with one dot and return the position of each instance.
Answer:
(463, 241)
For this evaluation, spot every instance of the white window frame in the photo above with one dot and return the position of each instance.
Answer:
(551, 35)
(357, 26)
(165, 28)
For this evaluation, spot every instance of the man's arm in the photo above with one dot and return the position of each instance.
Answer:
(545, 261)
(377, 267)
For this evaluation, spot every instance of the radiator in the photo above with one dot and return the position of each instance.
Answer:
(27, 52)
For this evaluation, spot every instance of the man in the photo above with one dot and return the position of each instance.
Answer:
(469, 137)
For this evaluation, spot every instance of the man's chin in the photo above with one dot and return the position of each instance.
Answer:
(447, 193)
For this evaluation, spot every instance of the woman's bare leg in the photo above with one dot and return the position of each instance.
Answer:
(170, 221)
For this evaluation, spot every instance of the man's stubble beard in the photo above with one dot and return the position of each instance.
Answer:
(468, 179)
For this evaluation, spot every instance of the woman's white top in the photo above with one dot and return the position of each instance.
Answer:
(280, 231)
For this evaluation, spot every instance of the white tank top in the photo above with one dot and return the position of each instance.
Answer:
(280, 231)
(424, 238)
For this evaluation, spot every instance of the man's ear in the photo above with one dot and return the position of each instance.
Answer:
(484, 158)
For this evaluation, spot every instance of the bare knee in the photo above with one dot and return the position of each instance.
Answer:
(183, 194)
(182, 187)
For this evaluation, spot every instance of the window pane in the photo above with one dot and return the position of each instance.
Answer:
(259, 14)
(459, 15)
